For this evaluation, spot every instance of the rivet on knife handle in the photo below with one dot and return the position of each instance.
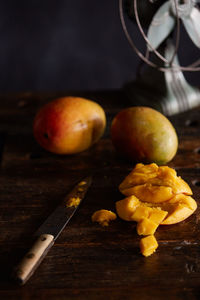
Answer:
(33, 258)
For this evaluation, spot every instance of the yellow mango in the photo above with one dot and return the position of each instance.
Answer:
(146, 227)
(160, 198)
(148, 245)
(139, 175)
(179, 208)
(175, 210)
(103, 217)
(150, 178)
(185, 200)
(179, 213)
(140, 213)
(150, 193)
(73, 201)
(168, 177)
(157, 215)
(126, 207)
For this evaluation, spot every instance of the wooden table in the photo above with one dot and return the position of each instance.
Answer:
(87, 260)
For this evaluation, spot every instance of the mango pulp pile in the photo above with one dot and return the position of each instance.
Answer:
(154, 195)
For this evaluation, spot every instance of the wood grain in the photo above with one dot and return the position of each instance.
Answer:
(88, 261)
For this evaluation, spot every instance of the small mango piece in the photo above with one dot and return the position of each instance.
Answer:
(146, 227)
(126, 207)
(157, 215)
(103, 217)
(140, 213)
(73, 201)
(148, 245)
(82, 183)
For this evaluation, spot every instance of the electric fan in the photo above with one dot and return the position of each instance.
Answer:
(161, 84)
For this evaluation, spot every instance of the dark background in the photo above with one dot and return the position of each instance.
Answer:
(66, 45)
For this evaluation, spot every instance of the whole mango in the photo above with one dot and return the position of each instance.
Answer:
(144, 134)
(69, 125)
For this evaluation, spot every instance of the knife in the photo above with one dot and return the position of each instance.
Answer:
(48, 232)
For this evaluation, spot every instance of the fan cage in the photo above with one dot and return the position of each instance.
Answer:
(168, 64)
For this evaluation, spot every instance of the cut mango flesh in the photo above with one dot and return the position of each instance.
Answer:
(179, 208)
(156, 195)
(148, 245)
(150, 193)
(146, 227)
(153, 181)
(73, 201)
(162, 189)
(157, 215)
(170, 212)
(168, 177)
(140, 212)
(139, 175)
(126, 207)
(103, 217)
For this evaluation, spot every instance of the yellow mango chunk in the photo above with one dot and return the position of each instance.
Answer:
(185, 200)
(126, 207)
(103, 217)
(157, 215)
(169, 212)
(140, 213)
(73, 201)
(168, 177)
(146, 227)
(151, 183)
(179, 208)
(139, 175)
(150, 193)
(179, 214)
(148, 245)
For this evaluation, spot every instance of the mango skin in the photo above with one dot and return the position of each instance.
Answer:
(69, 125)
(144, 134)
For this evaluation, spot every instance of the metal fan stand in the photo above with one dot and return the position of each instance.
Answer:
(162, 84)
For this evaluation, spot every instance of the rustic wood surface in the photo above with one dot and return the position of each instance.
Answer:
(88, 261)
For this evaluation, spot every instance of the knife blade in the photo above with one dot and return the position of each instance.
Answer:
(49, 231)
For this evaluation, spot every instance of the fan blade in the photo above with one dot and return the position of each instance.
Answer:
(161, 26)
(192, 26)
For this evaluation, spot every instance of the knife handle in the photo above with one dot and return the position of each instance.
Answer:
(33, 258)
